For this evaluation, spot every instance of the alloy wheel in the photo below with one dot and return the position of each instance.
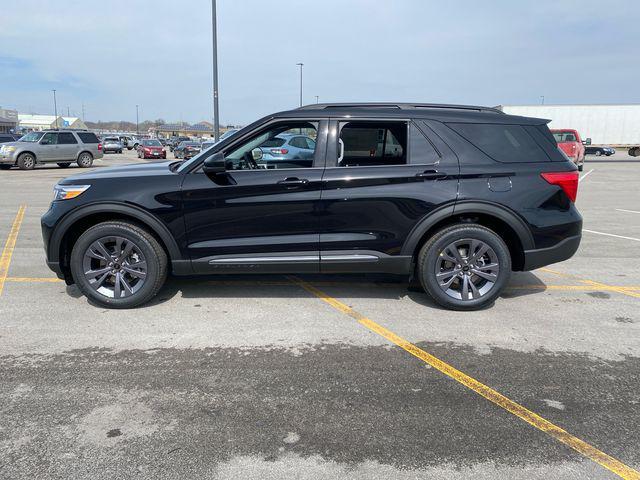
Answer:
(115, 267)
(467, 269)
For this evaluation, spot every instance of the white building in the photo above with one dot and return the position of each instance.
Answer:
(616, 125)
(46, 122)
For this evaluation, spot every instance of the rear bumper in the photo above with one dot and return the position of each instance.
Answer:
(557, 253)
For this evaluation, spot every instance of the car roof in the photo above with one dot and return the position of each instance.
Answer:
(439, 112)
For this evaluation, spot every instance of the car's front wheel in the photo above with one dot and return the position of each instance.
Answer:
(464, 267)
(118, 265)
(26, 161)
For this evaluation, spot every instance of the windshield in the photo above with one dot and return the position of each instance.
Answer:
(111, 139)
(32, 137)
(151, 143)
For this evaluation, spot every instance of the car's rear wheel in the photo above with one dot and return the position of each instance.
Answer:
(26, 161)
(85, 160)
(64, 164)
(118, 265)
(464, 267)
(598, 153)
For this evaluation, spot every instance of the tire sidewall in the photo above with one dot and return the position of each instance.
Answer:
(100, 231)
(428, 265)
(85, 155)
(21, 161)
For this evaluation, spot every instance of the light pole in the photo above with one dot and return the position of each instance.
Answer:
(214, 34)
(541, 99)
(300, 65)
(317, 99)
(55, 108)
(68, 112)
(137, 132)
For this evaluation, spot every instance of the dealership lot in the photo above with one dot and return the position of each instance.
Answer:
(276, 376)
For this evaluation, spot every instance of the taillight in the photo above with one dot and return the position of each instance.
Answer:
(99, 146)
(279, 151)
(567, 181)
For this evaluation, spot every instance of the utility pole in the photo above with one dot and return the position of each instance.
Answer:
(300, 65)
(214, 34)
(137, 132)
(55, 108)
(83, 112)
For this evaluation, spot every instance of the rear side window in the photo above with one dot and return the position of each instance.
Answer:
(421, 150)
(364, 144)
(88, 137)
(503, 143)
(66, 138)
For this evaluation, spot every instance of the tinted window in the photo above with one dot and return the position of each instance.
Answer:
(274, 142)
(151, 143)
(66, 138)
(299, 142)
(420, 149)
(372, 143)
(562, 137)
(6, 138)
(88, 137)
(504, 143)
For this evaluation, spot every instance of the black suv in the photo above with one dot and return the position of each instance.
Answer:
(454, 197)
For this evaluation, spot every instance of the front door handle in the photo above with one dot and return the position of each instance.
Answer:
(430, 175)
(293, 181)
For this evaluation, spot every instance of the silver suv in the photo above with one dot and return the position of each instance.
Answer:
(55, 146)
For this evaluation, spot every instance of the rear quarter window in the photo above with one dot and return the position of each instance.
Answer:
(503, 143)
(88, 137)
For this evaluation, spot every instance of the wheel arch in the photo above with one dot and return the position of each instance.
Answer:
(35, 157)
(84, 151)
(75, 223)
(501, 220)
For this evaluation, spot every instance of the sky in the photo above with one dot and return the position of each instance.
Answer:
(157, 54)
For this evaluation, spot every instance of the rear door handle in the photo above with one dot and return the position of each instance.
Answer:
(431, 175)
(293, 181)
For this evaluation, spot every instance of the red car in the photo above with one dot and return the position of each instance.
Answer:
(151, 149)
(570, 143)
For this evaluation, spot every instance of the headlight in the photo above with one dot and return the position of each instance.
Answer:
(8, 149)
(67, 192)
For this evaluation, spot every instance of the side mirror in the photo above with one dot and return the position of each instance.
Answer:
(256, 154)
(588, 141)
(214, 164)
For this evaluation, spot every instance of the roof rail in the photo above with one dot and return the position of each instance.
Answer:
(399, 106)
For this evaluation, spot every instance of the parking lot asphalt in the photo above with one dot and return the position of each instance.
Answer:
(355, 377)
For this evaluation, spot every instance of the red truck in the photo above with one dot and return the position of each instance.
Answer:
(570, 142)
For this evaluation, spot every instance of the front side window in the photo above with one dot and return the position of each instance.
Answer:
(272, 148)
(66, 138)
(365, 144)
(49, 139)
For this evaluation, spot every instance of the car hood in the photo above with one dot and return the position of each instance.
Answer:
(12, 144)
(125, 171)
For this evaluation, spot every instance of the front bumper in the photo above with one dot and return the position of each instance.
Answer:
(557, 253)
(7, 159)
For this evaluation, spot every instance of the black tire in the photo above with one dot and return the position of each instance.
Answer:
(120, 151)
(4, 166)
(598, 153)
(64, 164)
(581, 167)
(26, 161)
(154, 255)
(432, 251)
(85, 160)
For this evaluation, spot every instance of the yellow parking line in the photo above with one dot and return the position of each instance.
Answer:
(7, 251)
(623, 290)
(33, 279)
(490, 394)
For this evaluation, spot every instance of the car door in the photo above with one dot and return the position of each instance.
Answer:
(67, 148)
(256, 216)
(47, 149)
(382, 177)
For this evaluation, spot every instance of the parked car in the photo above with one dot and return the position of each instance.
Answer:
(8, 137)
(570, 142)
(186, 150)
(129, 141)
(598, 151)
(175, 141)
(111, 144)
(287, 151)
(151, 149)
(464, 196)
(55, 146)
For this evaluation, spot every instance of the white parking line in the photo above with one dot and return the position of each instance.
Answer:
(628, 211)
(585, 175)
(611, 235)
